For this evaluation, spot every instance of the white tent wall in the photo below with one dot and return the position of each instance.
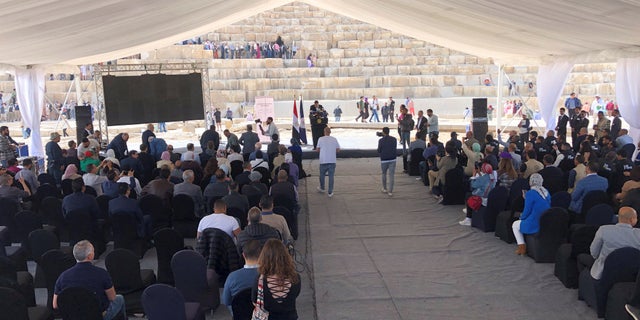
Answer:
(75, 32)
(628, 93)
(551, 80)
(30, 95)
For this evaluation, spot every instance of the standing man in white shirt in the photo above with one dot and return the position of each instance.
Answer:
(271, 128)
(328, 147)
(432, 124)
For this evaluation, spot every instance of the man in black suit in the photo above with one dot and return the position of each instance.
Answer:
(210, 135)
(133, 163)
(563, 120)
(421, 125)
(552, 176)
(616, 124)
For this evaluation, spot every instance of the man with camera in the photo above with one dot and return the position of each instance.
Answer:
(271, 127)
(387, 146)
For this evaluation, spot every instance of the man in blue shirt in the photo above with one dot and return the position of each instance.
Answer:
(387, 149)
(244, 278)
(80, 201)
(97, 280)
(125, 205)
(591, 182)
(572, 102)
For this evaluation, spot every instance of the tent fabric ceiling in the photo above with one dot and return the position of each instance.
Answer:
(83, 31)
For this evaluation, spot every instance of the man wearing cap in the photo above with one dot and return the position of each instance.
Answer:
(55, 160)
(598, 105)
(255, 187)
(454, 140)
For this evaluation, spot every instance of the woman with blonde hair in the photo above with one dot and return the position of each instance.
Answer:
(278, 280)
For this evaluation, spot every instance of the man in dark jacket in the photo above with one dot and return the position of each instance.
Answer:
(119, 145)
(148, 133)
(55, 160)
(256, 230)
(387, 148)
(148, 164)
(210, 135)
(553, 177)
(125, 205)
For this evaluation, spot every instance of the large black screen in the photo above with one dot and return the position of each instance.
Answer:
(153, 98)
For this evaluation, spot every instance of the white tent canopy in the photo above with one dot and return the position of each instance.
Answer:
(42, 33)
(517, 32)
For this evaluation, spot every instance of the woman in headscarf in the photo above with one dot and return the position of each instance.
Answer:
(111, 156)
(536, 201)
(473, 156)
(482, 182)
(71, 172)
(165, 159)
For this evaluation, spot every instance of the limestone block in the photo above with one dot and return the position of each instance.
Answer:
(406, 43)
(350, 44)
(376, 81)
(439, 51)
(379, 44)
(345, 62)
(357, 63)
(596, 78)
(336, 53)
(350, 53)
(332, 71)
(422, 51)
(370, 62)
(605, 90)
(427, 81)
(580, 78)
(338, 36)
(362, 35)
(273, 63)
(431, 60)
(394, 42)
(334, 63)
(457, 59)
(449, 81)
(587, 90)
(532, 69)
(469, 59)
(398, 81)
(508, 69)
(322, 54)
(374, 52)
(189, 127)
(363, 52)
(384, 61)
(404, 70)
(391, 70)
(417, 43)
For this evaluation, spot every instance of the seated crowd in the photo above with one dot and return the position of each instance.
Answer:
(248, 195)
(533, 176)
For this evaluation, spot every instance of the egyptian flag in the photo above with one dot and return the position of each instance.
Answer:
(302, 130)
(295, 131)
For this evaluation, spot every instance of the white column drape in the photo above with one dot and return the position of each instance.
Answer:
(551, 80)
(30, 95)
(628, 93)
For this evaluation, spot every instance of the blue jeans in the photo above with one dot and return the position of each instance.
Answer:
(374, 115)
(162, 127)
(115, 309)
(337, 118)
(389, 167)
(405, 136)
(327, 169)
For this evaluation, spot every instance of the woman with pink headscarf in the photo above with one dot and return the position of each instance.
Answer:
(71, 172)
(482, 182)
(165, 160)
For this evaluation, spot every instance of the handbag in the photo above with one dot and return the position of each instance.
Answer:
(259, 313)
(474, 202)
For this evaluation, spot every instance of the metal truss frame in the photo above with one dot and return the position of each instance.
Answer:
(201, 66)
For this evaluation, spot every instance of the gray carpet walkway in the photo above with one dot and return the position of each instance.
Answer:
(406, 257)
